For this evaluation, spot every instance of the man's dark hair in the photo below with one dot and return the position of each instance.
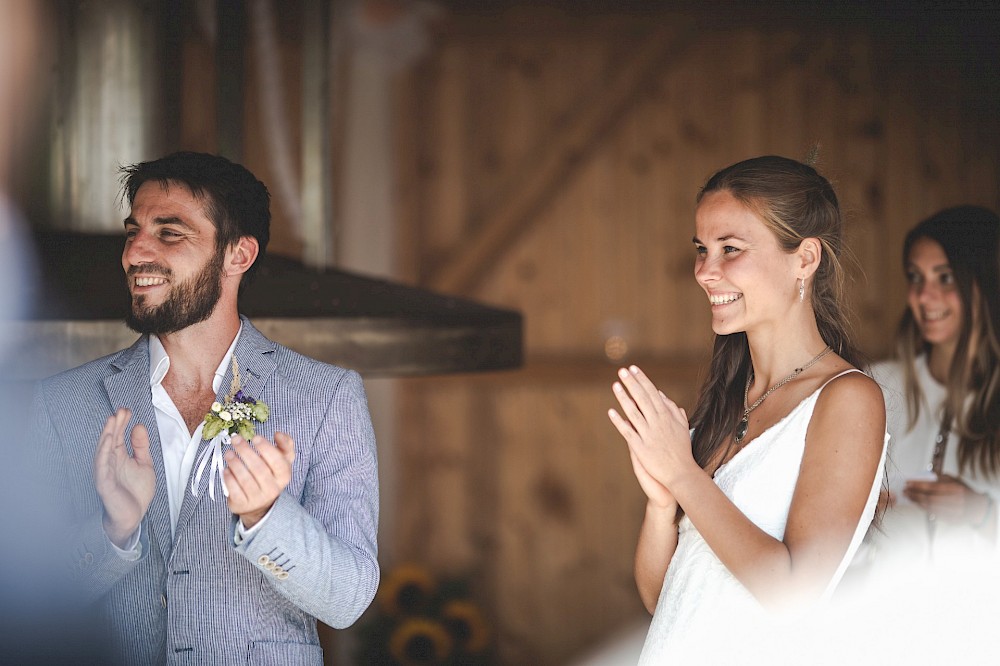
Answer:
(236, 202)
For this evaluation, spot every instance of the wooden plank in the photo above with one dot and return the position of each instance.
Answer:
(436, 447)
(555, 517)
(748, 102)
(553, 370)
(860, 189)
(410, 194)
(448, 189)
(783, 75)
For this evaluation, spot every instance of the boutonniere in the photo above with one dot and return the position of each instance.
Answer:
(238, 415)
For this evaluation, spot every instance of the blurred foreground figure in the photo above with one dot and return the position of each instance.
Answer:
(19, 47)
(41, 618)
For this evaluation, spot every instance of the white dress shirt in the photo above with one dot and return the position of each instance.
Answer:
(178, 446)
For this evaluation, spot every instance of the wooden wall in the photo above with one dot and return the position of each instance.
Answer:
(549, 156)
(549, 163)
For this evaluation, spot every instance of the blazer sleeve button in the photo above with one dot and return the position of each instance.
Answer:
(263, 560)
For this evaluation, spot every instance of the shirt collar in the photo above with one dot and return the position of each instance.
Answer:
(159, 362)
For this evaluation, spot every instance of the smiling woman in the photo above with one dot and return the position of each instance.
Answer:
(739, 256)
(756, 506)
(933, 297)
(943, 392)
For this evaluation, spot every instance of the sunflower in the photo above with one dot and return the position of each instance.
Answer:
(419, 640)
(406, 591)
(466, 625)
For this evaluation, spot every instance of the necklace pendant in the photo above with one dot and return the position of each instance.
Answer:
(741, 429)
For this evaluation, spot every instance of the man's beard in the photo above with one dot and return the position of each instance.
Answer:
(187, 303)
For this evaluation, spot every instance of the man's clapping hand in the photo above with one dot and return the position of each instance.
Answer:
(125, 483)
(256, 474)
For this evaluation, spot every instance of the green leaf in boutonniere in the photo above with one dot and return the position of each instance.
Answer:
(238, 414)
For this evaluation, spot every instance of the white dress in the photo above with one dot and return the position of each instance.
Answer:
(701, 601)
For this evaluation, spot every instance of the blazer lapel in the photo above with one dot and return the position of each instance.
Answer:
(255, 356)
(129, 387)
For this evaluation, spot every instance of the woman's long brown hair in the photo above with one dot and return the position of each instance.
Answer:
(796, 203)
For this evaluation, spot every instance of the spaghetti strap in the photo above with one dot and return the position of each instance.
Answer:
(839, 374)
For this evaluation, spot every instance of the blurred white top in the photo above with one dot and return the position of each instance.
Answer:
(904, 526)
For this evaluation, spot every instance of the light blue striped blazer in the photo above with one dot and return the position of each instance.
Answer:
(198, 598)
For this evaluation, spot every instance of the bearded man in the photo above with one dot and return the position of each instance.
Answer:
(240, 576)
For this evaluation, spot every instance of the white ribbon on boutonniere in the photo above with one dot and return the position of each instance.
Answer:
(213, 453)
(237, 415)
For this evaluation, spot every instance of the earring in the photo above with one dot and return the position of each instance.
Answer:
(802, 290)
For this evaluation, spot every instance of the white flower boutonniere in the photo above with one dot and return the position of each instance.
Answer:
(238, 416)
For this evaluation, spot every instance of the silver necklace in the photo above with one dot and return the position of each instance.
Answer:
(741, 427)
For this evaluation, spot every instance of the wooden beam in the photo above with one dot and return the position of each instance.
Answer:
(575, 370)
(538, 181)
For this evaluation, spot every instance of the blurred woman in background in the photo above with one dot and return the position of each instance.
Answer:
(943, 391)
